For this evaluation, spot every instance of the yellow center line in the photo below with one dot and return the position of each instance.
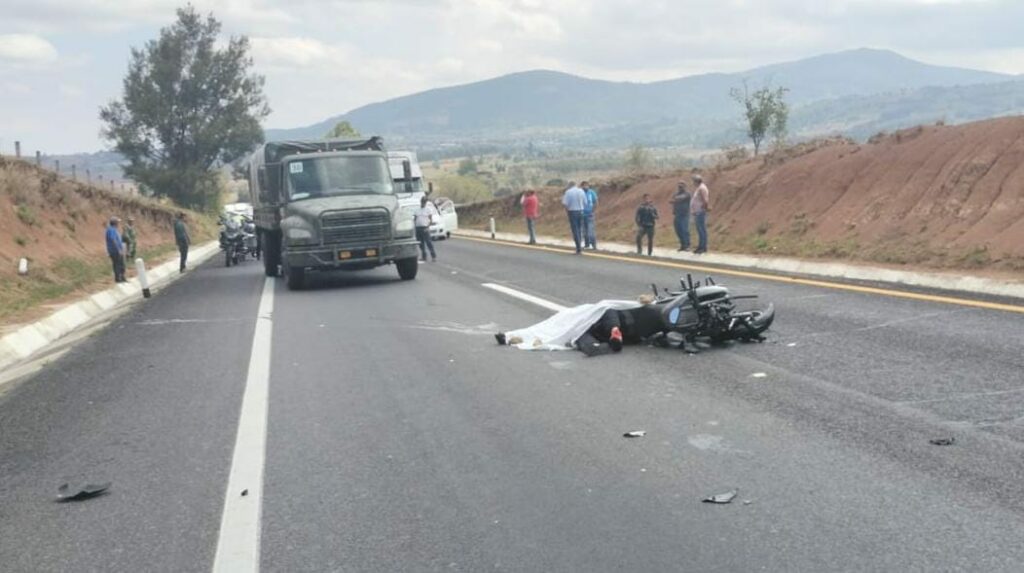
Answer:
(768, 277)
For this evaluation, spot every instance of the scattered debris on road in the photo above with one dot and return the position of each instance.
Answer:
(245, 492)
(726, 497)
(748, 501)
(79, 493)
(791, 344)
(942, 441)
(759, 375)
(635, 434)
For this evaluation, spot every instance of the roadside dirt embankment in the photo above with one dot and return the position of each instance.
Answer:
(936, 196)
(58, 225)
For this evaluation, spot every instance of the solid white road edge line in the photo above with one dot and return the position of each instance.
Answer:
(238, 545)
(524, 296)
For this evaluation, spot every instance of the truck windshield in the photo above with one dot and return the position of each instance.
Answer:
(338, 175)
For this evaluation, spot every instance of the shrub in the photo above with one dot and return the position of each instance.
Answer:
(26, 215)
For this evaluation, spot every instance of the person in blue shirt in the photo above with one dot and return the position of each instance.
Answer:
(590, 227)
(115, 248)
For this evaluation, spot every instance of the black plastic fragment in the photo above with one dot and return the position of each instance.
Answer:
(942, 441)
(245, 492)
(635, 434)
(726, 497)
(67, 492)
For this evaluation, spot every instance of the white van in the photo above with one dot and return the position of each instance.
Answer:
(446, 219)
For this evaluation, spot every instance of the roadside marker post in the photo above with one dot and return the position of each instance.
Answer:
(23, 266)
(140, 269)
(492, 227)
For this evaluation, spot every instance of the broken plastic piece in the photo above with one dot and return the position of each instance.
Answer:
(245, 492)
(942, 441)
(89, 490)
(726, 497)
(500, 337)
(515, 340)
(635, 434)
(758, 375)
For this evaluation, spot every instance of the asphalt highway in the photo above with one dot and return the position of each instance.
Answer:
(400, 437)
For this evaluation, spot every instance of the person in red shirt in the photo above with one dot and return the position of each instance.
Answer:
(531, 209)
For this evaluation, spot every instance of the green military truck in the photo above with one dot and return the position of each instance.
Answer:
(329, 205)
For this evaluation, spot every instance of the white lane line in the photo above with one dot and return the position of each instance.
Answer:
(524, 296)
(238, 546)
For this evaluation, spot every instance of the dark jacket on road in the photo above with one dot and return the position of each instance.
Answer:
(646, 215)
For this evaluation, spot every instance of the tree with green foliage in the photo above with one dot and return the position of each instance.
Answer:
(342, 130)
(468, 166)
(463, 189)
(766, 113)
(638, 159)
(190, 105)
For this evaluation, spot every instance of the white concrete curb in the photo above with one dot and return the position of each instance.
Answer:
(30, 339)
(936, 280)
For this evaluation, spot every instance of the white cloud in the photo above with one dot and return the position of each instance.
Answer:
(26, 49)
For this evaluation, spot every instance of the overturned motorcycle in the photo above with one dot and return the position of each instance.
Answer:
(708, 311)
(697, 312)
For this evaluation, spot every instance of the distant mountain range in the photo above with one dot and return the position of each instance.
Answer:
(857, 89)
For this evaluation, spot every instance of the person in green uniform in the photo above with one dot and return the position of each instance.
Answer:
(130, 242)
(181, 238)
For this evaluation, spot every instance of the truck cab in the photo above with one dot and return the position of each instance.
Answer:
(329, 205)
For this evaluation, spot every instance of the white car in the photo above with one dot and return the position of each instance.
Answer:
(446, 219)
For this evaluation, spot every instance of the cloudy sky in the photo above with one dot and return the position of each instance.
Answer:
(61, 59)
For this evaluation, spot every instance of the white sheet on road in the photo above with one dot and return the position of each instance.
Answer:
(561, 330)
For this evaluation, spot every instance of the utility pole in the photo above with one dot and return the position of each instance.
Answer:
(17, 149)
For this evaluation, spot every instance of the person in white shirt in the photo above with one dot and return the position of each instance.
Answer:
(422, 219)
(575, 201)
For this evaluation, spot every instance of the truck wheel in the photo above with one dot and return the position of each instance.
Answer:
(295, 277)
(271, 253)
(407, 268)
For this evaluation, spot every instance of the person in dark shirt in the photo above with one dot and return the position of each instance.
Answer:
(646, 219)
(619, 327)
(182, 239)
(681, 215)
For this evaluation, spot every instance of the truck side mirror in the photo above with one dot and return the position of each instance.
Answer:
(407, 174)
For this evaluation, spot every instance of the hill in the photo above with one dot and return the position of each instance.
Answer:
(554, 104)
(938, 196)
(58, 226)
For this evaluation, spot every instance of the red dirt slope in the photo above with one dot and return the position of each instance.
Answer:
(935, 196)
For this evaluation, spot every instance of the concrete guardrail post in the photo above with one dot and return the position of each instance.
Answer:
(492, 227)
(140, 269)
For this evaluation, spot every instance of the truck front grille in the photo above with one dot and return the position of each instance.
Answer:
(362, 226)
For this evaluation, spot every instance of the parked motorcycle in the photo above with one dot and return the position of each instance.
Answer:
(709, 311)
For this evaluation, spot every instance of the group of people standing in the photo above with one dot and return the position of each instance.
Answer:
(580, 202)
(122, 246)
(696, 204)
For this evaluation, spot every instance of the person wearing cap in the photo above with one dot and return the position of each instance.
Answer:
(700, 206)
(115, 248)
(128, 238)
(182, 239)
(681, 215)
